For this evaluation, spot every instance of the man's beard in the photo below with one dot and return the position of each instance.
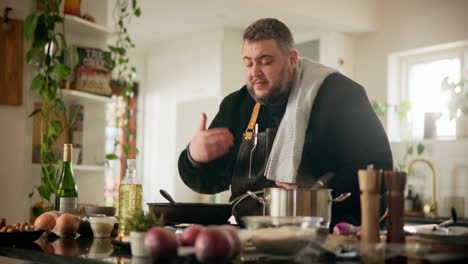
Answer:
(278, 94)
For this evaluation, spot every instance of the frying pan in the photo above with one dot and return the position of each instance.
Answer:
(193, 213)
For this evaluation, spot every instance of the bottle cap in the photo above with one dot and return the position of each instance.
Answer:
(67, 152)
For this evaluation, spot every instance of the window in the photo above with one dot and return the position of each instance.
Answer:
(420, 74)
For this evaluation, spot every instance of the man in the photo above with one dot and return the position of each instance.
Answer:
(294, 121)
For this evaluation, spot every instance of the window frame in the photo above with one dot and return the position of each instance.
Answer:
(398, 79)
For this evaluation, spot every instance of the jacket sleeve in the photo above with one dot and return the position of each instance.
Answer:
(359, 139)
(208, 178)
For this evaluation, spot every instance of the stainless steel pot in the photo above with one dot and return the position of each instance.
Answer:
(298, 202)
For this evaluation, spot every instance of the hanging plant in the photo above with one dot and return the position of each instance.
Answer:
(123, 74)
(47, 55)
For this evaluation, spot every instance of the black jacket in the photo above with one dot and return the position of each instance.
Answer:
(343, 135)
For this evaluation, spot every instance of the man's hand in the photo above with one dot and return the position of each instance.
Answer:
(288, 186)
(208, 145)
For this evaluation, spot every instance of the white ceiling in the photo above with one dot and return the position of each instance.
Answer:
(168, 19)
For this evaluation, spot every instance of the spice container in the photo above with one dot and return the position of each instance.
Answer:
(102, 226)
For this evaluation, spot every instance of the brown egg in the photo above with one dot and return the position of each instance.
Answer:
(46, 221)
(67, 225)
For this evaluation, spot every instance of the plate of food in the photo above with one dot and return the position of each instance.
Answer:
(19, 232)
(451, 234)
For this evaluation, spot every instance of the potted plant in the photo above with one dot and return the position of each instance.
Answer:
(401, 109)
(47, 54)
(458, 104)
(137, 225)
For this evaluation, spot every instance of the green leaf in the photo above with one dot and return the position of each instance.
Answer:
(134, 4)
(57, 124)
(403, 108)
(133, 69)
(123, 60)
(420, 148)
(45, 191)
(30, 25)
(410, 150)
(37, 210)
(33, 52)
(62, 39)
(35, 112)
(126, 149)
(137, 12)
(111, 156)
(381, 109)
(62, 71)
(37, 82)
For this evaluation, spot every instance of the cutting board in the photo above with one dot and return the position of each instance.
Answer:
(11, 62)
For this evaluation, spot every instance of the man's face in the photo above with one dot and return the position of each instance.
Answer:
(269, 72)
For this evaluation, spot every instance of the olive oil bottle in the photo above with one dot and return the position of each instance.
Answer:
(130, 196)
(66, 197)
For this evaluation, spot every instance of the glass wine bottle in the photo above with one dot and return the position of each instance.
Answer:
(66, 197)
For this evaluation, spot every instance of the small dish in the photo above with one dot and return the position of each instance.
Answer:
(284, 235)
(97, 210)
(451, 234)
(12, 238)
(102, 226)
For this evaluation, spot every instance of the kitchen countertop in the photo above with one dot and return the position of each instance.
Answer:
(102, 250)
(98, 251)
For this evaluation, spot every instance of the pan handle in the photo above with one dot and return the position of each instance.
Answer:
(341, 197)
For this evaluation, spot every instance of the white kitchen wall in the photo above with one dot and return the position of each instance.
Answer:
(183, 69)
(16, 140)
(185, 77)
(406, 25)
(337, 50)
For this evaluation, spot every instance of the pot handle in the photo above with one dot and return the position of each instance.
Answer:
(341, 197)
(238, 199)
(256, 197)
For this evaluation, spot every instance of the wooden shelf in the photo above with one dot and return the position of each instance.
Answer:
(82, 167)
(79, 26)
(78, 96)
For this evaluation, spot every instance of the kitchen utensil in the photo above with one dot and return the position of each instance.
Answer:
(283, 235)
(320, 183)
(193, 213)
(369, 184)
(395, 182)
(167, 196)
(298, 202)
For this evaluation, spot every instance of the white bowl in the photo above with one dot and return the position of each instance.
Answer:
(284, 235)
(102, 226)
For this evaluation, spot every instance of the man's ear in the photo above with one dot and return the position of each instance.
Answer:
(293, 55)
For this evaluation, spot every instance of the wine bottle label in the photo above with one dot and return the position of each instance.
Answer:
(68, 205)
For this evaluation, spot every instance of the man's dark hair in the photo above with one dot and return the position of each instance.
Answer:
(270, 28)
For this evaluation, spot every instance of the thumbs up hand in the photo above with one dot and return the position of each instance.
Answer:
(210, 144)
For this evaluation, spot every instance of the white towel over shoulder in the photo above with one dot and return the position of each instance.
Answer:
(286, 152)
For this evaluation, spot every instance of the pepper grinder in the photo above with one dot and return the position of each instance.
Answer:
(395, 182)
(369, 184)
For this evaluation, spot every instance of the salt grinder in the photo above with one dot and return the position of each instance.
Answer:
(369, 183)
(395, 182)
